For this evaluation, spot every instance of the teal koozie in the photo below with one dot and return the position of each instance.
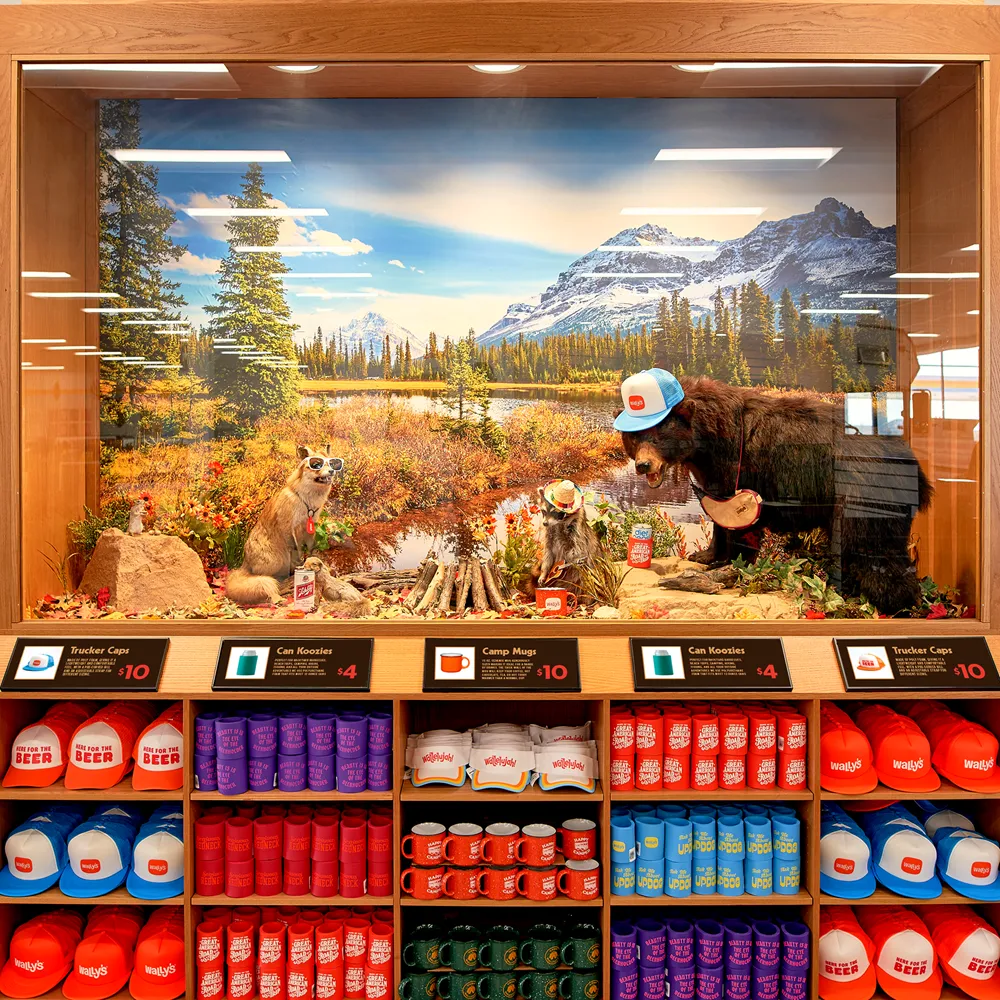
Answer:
(758, 836)
(663, 663)
(703, 835)
(759, 877)
(678, 877)
(785, 832)
(730, 842)
(677, 837)
(787, 874)
(649, 876)
(649, 837)
(729, 878)
(704, 878)
(246, 665)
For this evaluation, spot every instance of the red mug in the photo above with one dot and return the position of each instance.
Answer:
(463, 846)
(537, 883)
(577, 839)
(580, 879)
(461, 883)
(422, 883)
(554, 601)
(453, 663)
(498, 883)
(424, 844)
(500, 844)
(537, 846)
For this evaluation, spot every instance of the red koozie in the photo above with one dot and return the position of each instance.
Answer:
(622, 735)
(239, 879)
(677, 772)
(792, 771)
(330, 982)
(296, 877)
(267, 877)
(733, 733)
(732, 771)
(239, 839)
(211, 983)
(377, 985)
(763, 732)
(648, 773)
(325, 878)
(380, 878)
(704, 772)
(676, 733)
(622, 774)
(792, 730)
(209, 876)
(354, 980)
(649, 733)
(705, 735)
(760, 770)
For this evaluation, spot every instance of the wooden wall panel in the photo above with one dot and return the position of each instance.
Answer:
(60, 434)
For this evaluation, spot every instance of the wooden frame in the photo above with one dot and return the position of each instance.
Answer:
(587, 32)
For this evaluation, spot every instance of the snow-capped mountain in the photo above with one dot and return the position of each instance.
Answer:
(371, 329)
(830, 250)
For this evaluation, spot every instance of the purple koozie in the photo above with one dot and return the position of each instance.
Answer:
(291, 733)
(322, 774)
(261, 772)
(624, 983)
(681, 979)
(379, 773)
(708, 982)
(232, 775)
(231, 736)
(205, 776)
(262, 735)
(764, 984)
(737, 982)
(766, 945)
(352, 774)
(320, 727)
(651, 983)
(707, 943)
(379, 732)
(738, 948)
(204, 733)
(352, 734)
(680, 944)
(794, 960)
(651, 937)
(624, 944)
(292, 772)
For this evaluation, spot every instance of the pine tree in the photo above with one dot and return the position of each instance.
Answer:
(407, 362)
(468, 389)
(386, 360)
(788, 319)
(134, 248)
(250, 306)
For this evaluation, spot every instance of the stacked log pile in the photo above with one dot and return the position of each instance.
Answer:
(450, 586)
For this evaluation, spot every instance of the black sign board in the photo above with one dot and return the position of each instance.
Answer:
(917, 663)
(709, 665)
(60, 666)
(294, 665)
(501, 665)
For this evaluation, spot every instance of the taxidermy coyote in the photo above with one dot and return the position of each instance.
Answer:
(285, 534)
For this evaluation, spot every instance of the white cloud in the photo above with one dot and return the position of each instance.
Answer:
(399, 263)
(191, 263)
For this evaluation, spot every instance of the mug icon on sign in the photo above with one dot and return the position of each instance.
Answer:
(453, 663)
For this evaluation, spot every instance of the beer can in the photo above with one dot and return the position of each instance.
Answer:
(640, 546)
(304, 590)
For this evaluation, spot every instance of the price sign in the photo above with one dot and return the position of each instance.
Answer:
(294, 665)
(66, 665)
(501, 665)
(917, 663)
(709, 665)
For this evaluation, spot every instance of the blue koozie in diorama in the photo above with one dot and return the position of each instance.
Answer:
(622, 878)
(246, 665)
(649, 877)
(622, 839)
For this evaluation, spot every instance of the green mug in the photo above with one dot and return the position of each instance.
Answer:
(418, 986)
(423, 949)
(497, 986)
(539, 985)
(499, 951)
(457, 986)
(582, 948)
(580, 986)
(461, 951)
(540, 949)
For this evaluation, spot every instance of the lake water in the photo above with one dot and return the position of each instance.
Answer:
(404, 542)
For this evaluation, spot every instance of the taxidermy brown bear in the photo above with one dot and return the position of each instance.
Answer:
(795, 451)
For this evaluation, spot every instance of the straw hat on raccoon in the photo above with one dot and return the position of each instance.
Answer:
(564, 495)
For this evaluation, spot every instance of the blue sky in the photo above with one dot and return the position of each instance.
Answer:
(480, 203)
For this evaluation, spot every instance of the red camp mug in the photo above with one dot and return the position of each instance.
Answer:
(424, 844)
(422, 883)
(537, 883)
(464, 844)
(577, 839)
(461, 883)
(538, 845)
(500, 844)
(554, 601)
(580, 879)
(498, 883)
(453, 663)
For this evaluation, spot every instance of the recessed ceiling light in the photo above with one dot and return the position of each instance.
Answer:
(688, 210)
(325, 274)
(43, 368)
(716, 66)
(201, 156)
(840, 312)
(98, 354)
(922, 336)
(45, 340)
(71, 347)
(497, 69)
(944, 479)
(125, 67)
(972, 247)
(254, 213)
(74, 295)
(884, 295)
(971, 312)
(934, 275)
(119, 309)
(821, 153)
(629, 274)
(156, 322)
(46, 274)
(299, 68)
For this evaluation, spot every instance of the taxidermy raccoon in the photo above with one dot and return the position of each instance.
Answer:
(285, 532)
(569, 544)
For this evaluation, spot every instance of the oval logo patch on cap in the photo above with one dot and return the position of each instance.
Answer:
(636, 403)
(90, 866)
(981, 869)
(156, 866)
(913, 866)
(844, 866)
(22, 864)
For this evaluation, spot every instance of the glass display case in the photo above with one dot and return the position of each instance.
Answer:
(684, 341)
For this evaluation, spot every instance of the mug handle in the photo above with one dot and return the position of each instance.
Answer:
(563, 956)
(403, 988)
(484, 950)
(443, 981)
(445, 883)
(402, 846)
(563, 874)
(487, 842)
(446, 962)
(480, 992)
(465, 662)
(448, 840)
(521, 876)
(402, 883)
(569, 989)
(523, 985)
(571, 600)
(480, 887)
(408, 949)
(521, 955)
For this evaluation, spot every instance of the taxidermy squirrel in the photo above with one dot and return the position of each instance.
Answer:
(569, 543)
(285, 533)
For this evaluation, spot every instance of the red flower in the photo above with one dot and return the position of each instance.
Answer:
(103, 597)
(937, 611)
(813, 614)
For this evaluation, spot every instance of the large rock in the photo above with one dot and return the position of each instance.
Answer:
(144, 572)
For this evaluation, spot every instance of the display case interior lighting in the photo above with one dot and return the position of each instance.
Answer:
(200, 155)
(885, 295)
(841, 312)
(934, 275)
(98, 354)
(46, 274)
(714, 67)
(922, 336)
(694, 210)
(971, 248)
(972, 312)
(156, 322)
(115, 310)
(42, 368)
(74, 295)
(44, 340)
(255, 213)
(749, 153)
(99, 67)
(299, 69)
(334, 295)
(497, 69)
